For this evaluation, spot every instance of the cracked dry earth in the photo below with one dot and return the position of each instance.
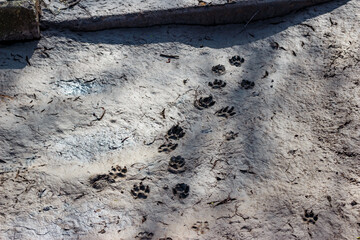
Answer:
(100, 136)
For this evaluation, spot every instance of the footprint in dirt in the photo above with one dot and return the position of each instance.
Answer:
(310, 217)
(217, 84)
(167, 147)
(218, 69)
(204, 102)
(144, 236)
(100, 181)
(176, 165)
(181, 190)
(200, 227)
(175, 133)
(236, 61)
(140, 191)
(117, 171)
(247, 84)
(225, 112)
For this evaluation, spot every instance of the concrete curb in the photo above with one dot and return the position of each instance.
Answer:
(238, 12)
(19, 20)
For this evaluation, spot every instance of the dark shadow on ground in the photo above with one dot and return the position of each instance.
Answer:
(16, 55)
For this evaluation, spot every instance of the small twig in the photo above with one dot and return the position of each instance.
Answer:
(196, 93)
(163, 223)
(308, 25)
(71, 5)
(214, 165)
(5, 96)
(122, 141)
(89, 81)
(249, 21)
(226, 200)
(169, 56)
(28, 60)
(247, 171)
(80, 196)
(20, 116)
(155, 139)
(163, 113)
(99, 118)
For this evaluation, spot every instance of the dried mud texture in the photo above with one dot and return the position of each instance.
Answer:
(285, 166)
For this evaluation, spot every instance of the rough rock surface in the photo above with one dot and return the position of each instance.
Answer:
(19, 20)
(284, 166)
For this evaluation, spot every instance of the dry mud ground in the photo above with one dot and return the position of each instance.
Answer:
(75, 104)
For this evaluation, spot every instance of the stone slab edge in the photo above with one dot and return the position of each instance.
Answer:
(238, 12)
(19, 20)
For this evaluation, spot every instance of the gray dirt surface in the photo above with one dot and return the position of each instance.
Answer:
(285, 166)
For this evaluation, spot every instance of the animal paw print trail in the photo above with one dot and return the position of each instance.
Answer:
(236, 61)
(217, 84)
(310, 217)
(117, 171)
(204, 102)
(167, 147)
(225, 112)
(246, 84)
(181, 190)
(140, 191)
(144, 236)
(174, 133)
(200, 227)
(176, 165)
(102, 180)
(218, 69)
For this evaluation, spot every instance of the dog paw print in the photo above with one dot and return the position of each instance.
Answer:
(100, 181)
(218, 69)
(236, 61)
(204, 102)
(225, 112)
(175, 133)
(140, 191)
(176, 164)
(167, 147)
(217, 84)
(117, 171)
(246, 84)
(181, 190)
(144, 236)
(230, 136)
(310, 217)
(200, 227)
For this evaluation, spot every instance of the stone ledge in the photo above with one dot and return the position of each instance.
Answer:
(239, 11)
(19, 20)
